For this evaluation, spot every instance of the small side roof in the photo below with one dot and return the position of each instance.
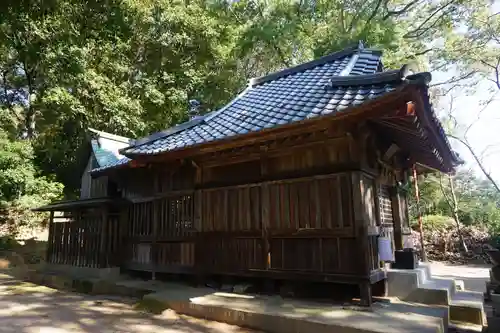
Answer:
(106, 149)
(81, 203)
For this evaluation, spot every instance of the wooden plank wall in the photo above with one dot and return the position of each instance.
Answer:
(92, 187)
(310, 228)
(160, 231)
(311, 224)
(231, 228)
(99, 187)
(294, 212)
(83, 239)
(230, 209)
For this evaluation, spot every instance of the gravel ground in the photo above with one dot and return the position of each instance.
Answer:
(28, 308)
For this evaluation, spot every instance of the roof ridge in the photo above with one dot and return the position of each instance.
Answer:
(390, 76)
(111, 136)
(311, 64)
(366, 79)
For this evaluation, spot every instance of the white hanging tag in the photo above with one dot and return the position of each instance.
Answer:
(385, 249)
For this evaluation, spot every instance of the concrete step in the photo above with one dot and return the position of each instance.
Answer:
(415, 286)
(402, 282)
(277, 315)
(468, 307)
(465, 328)
(439, 291)
(419, 286)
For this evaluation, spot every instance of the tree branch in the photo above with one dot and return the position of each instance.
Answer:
(455, 79)
(400, 11)
(496, 72)
(411, 34)
(423, 52)
(476, 158)
(372, 16)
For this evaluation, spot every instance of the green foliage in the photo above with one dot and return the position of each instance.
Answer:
(7, 243)
(131, 66)
(21, 187)
(477, 201)
(435, 221)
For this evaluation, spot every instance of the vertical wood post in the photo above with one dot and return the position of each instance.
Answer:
(419, 213)
(50, 245)
(397, 213)
(154, 234)
(265, 223)
(361, 221)
(123, 233)
(74, 239)
(359, 141)
(103, 254)
(265, 213)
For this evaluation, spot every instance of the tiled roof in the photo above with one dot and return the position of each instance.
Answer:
(306, 91)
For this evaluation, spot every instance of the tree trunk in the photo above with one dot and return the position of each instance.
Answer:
(455, 214)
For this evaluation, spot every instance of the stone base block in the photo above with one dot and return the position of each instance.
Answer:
(490, 289)
(87, 272)
(495, 301)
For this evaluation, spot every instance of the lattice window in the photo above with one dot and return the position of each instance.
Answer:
(385, 205)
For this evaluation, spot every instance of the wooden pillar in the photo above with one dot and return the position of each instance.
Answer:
(199, 244)
(123, 229)
(423, 255)
(154, 235)
(66, 241)
(103, 254)
(398, 216)
(50, 245)
(400, 209)
(359, 137)
(74, 239)
(361, 221)
(265, 213)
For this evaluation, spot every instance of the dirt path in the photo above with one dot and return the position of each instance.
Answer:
(28, 308)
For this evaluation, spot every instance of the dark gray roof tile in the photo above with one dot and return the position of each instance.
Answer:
(294, 94)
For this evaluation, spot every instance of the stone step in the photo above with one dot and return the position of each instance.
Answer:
(468, 307)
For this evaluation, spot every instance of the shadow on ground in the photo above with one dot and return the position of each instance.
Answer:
(28, 308)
